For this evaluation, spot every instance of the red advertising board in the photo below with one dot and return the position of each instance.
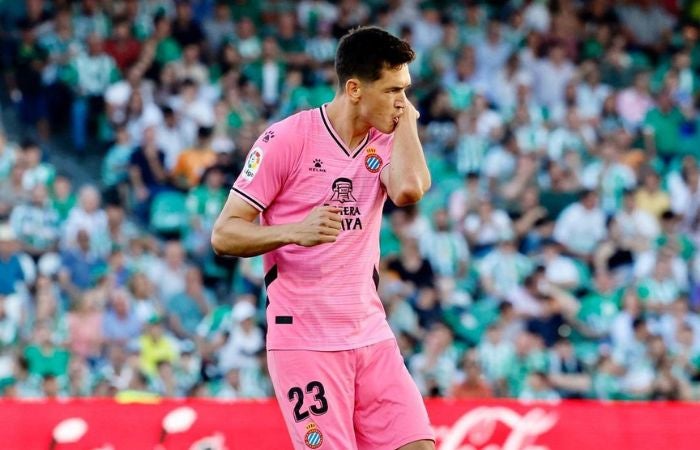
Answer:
(459, 425)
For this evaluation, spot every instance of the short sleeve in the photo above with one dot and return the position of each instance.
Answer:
(266, 167)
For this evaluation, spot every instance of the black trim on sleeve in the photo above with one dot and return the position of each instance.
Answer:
(271, 276)
(284, 320)
(256, 203)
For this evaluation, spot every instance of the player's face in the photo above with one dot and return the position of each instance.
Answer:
(384, 100)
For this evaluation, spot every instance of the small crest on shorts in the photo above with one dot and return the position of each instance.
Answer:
(373, 162)
(313, 437)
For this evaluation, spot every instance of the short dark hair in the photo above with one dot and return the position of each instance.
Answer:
(365, 51)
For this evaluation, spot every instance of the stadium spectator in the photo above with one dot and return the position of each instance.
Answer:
(36, 224)
(11, 273)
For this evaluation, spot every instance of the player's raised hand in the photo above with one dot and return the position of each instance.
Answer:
(410, 111)
(407, 121)
(322, 225)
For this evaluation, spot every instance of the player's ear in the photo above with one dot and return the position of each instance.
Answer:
(353, 89)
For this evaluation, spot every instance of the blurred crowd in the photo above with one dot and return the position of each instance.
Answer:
(556, 255)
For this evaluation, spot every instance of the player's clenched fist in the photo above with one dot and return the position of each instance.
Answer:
(323, 224)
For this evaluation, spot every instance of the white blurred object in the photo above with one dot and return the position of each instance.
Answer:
(49, 264)
(28, 268)
(179, 420)
(7, 233)
(243, 310)
(69, 431)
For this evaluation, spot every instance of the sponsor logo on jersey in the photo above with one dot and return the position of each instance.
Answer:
(313, 437)
(342, 190)
(317, 166)
(342, 194)
(252, 163)
(373, 162)
(268, 135)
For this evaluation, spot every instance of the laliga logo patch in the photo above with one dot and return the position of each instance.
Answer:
(314, 437)
(373, 162)
(252, 164)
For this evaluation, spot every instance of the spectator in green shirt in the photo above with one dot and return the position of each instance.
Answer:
(203, 205)
(662, 126)
(43, 356)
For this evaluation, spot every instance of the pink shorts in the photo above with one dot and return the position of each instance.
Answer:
(359, 399)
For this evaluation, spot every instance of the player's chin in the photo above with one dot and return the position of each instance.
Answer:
(388, 128)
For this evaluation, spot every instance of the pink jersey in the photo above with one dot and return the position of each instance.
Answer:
(323, 297)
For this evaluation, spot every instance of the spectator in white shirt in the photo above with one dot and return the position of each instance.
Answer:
(560, 270)
(637, 226)
(465, 199)
(427, 30)
(174, 136)
(684, 187)
(609, 176)
(94, 71)
(220, 29)
(647, 22)
(86, 215)
(191, 106)
(118, 94)
(635, 101)
(551, 77)
(141, 115)
(190, 67)
(492, 52)
(591, 93)
(572, 136)
(581, 226)
(504, 86)
(486, 227)
(243, 339)
(446, 249)
(168, 275)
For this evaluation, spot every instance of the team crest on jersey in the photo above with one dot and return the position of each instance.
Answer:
(313, 437)
(252, 163)
(373, 162)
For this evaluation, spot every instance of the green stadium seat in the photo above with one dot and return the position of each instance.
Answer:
(168, 213)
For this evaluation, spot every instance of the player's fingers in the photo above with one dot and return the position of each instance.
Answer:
(326, 239)
(329, 208)
(335, 224)
(329, 231)
(335, 217)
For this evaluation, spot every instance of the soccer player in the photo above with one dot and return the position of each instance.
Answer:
(319, 180)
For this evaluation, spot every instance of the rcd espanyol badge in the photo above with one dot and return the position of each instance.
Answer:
(373, 162)
(314, 437)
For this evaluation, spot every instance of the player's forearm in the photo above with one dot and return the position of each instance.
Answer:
(408, 177)
(238, 237)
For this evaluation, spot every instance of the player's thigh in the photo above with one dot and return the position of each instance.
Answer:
(316, 393)
(389, 409)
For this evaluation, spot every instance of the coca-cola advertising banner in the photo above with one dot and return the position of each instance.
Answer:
(459, 425)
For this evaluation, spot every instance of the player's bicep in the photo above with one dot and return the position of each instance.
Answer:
(237, 208)
(384, 177)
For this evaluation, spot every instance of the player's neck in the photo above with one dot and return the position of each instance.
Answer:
(346, 123)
